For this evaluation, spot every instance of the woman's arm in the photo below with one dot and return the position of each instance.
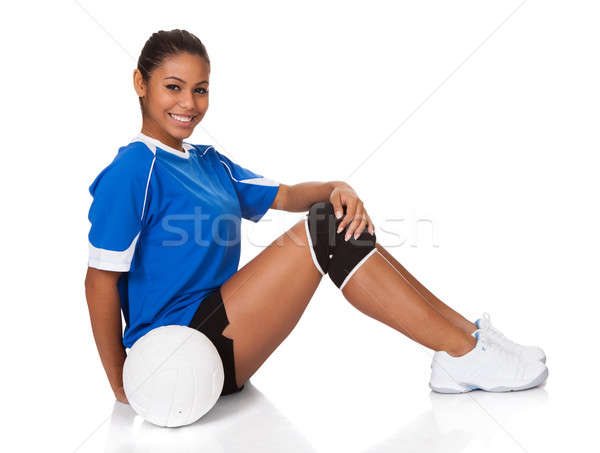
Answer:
(299, 197)
(104, 305)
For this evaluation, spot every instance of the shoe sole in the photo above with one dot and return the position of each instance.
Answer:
(465, 388)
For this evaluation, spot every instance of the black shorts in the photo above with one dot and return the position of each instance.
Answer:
(211, 319)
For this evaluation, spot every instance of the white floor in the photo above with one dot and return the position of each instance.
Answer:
(348, 419)
(431, 422)
(325, 389)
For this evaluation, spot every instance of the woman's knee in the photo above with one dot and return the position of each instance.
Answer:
(331, 253)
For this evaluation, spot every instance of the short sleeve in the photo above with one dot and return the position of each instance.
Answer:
(255, 192)
(119, 200)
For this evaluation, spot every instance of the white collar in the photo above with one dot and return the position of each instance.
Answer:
(153, 143)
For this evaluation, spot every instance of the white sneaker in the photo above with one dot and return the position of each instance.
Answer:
(525, 352)
(488, 366)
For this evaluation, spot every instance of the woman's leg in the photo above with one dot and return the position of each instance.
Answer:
(454, 317)
(265, 299)
(378, 290)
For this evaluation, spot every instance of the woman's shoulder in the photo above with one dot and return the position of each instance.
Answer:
(135, 149)
(132, 162)
(134, 159)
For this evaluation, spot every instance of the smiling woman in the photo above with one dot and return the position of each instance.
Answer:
(166, 213)
(150, 257)
(172, 86)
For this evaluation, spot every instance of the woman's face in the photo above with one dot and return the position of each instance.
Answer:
(175, 97)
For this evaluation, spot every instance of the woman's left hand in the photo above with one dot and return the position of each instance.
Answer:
(356, 217)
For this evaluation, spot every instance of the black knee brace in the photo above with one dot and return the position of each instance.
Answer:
(330, 252)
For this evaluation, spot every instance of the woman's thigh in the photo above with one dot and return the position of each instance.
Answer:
(265, 299)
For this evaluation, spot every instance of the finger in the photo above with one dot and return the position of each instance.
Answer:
(371, 227)
(356, 218)
(363, 222)
(361, 227)
(350, 209)
(346, 218)
(336, 201)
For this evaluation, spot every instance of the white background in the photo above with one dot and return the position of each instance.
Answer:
(481, 122)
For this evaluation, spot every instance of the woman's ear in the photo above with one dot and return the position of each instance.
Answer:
(138, 83)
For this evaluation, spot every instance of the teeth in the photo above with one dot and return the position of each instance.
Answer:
(185, 119)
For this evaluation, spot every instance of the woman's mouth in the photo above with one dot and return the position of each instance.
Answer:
(185, 120)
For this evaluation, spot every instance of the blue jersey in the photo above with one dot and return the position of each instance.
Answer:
(170, 221)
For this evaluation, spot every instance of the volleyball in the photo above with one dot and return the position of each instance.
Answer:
(173, 375)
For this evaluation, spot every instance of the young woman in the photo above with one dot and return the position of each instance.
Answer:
(164, 247)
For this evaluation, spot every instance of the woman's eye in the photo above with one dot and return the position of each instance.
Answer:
(172, 86)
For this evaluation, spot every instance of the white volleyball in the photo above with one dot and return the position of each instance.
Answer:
(173, 375)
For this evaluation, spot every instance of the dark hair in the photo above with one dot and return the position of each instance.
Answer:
(163, 44)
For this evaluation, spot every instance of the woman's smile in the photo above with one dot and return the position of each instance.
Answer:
(183, 120)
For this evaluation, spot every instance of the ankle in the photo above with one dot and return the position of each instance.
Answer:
(471, 327)
(458, 350)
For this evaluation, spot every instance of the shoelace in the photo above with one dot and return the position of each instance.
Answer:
(495, 333)
(489, 344)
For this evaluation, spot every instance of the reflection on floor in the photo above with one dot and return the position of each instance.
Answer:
(248, 422)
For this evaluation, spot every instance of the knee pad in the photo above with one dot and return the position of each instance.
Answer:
(332, 254)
